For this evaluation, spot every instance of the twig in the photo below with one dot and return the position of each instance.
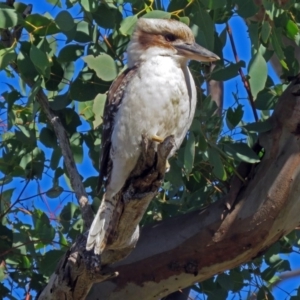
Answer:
(17, 200)
(285, 276)
(244, 79)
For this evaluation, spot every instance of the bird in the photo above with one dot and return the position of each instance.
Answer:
(154, 97)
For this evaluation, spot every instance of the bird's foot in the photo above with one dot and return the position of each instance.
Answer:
(156, 138)
(167, 166)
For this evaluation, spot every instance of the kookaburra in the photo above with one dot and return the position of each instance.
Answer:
(155, 97)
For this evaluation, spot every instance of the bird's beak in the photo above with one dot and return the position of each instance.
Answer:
(196, 52)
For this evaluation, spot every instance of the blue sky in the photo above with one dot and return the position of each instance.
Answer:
(240, 35)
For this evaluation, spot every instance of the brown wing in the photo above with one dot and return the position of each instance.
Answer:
(112, 104)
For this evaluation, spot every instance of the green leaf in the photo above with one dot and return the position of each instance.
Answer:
(270, 9)
(25, 130)
(55, 2)
(259, 126)
(56, 76)
(6, 238)
(18, 6)
(265, 31)
(246, 8)
(4, 291)
(69, 212)
(217, 164)
(68, 73)
(98, 108)
(82, 90)
(86, 109)
(202, 144)
(241, 152)
(277, 46)
(25, 262)
(157, 14)
(266, 100)
(60, 101)
(49, 261)
(185, 20)
(258, 72)
(3, 274)
(48, 137)
(225, 281)
(34, 90)
(7, 55)
(128, 25)
(42, 227)
(40, 25)
(103, 65)
(237, 279)
(37, 281)
(291, 29)
(77, 152)
(228, 72)
(89, 5)
(189, 153)
(67, 215)
(40, 60)
(65, 21)
(9, 18)
(234, 116)
(70, 53)
(81, 33)
(70, 119)
(107, 17)
(214, 4)
(54, 192)
(25, 66)
(55, 158)
(62, 240)
(203, 28)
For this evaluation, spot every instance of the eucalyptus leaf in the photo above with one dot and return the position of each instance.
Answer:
(7, 55)
(103, 65)
(216, 162)
(241, 152)
(258, 72)
(98, 108)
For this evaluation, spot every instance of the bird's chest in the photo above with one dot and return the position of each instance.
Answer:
(160, 100)
(166, 96)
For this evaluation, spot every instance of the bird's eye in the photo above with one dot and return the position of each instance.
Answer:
(169, 37)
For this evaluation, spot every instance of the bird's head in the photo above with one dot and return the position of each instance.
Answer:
(165, 37)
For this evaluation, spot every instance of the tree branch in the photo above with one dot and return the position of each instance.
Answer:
(79, 269)
(190, 248)
(244, 79)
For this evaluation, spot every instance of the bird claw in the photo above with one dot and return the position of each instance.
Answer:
(156, 138)
(167, 166)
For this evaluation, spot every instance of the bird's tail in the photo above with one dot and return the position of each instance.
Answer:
(100, 229)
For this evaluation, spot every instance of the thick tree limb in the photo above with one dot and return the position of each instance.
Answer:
(79, 268)
(190, 248)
